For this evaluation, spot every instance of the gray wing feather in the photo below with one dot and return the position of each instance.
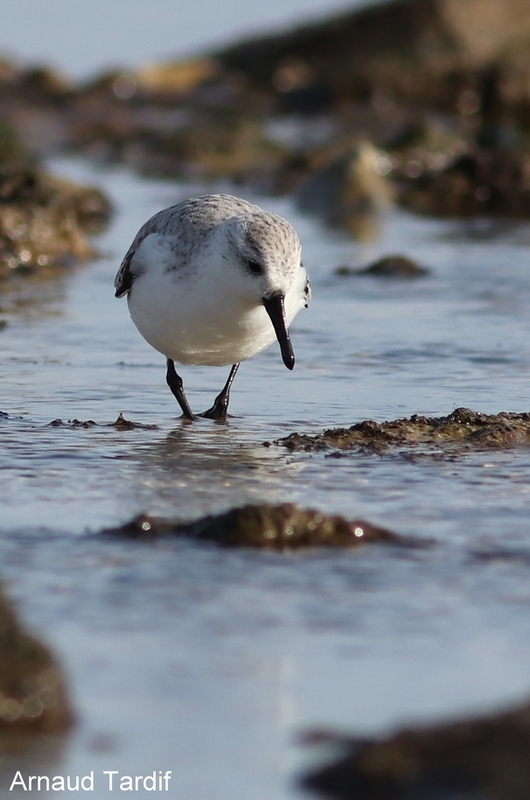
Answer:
(124, 278)
(184, 222)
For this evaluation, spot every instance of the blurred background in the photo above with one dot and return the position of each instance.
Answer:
(82, 38)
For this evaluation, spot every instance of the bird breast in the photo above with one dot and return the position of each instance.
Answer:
(222, 333)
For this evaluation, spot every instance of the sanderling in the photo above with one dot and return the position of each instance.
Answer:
(205, 279)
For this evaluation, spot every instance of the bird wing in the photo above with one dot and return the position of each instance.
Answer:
(179, 223)
(124, 277)
(126, 274)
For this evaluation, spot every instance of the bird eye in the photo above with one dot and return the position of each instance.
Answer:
(255, 267)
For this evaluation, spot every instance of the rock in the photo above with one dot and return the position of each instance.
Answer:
(12, 150)
(216, 144)
(426, 146)
(388, 267)
(424, 51)
(438, 87)
(349, 192)
(463, 428)
(121, 424)
(190, 141)
(44, 221)
(495, 182)
(281, 527)
(484, 757)
(33, 696)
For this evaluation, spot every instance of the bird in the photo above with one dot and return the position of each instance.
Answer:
(212, 281)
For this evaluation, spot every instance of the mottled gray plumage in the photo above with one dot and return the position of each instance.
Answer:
(188, 223)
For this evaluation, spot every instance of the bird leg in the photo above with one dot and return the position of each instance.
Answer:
(220, 406)
(174, 381)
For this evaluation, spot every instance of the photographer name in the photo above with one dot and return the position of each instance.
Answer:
(110, 779)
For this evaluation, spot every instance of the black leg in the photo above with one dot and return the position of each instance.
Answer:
(220, 406)
(174, 381)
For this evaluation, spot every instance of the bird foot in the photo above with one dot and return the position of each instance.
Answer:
(217, 412)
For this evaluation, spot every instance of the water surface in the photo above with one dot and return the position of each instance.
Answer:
(209, 662)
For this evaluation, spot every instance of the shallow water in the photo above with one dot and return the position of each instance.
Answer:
(207, 662)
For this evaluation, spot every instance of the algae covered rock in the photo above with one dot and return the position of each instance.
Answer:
(44, 220)
(33, 697)
(485, 757)
(272, 527)
(464, 428)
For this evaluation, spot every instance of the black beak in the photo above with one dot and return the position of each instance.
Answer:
(274, 307)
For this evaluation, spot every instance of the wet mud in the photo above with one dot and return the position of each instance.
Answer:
(462, 429)
(271, 527)
(484, 757)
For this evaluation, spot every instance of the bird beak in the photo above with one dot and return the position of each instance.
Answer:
(274, 307)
